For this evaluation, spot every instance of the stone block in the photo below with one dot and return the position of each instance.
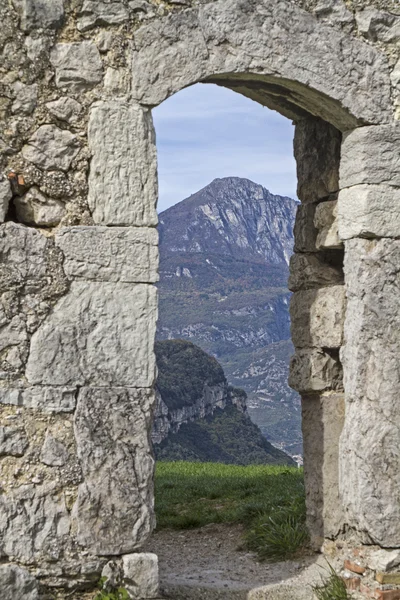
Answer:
(388, 578)
(377, 25)
(47, 399)
(98, 334)
(35, 208)
(13, 441)
(42, 14)
(25, 98)
(317, 317)
(65, 109)
(22, 255)
(314, 370)
(5, 197)
(370, 463)
(371, 155)
(305, 233)
(78, 65)
(114, 509)
(322, 423)
(317, 152)
(140, 575)
(384, 560)
(325, 221)
(17, 583)
(309, 271)
(369, 211)
(51, 148)
(123, 170)
(101, 12)
(53, 453)
(126, 254)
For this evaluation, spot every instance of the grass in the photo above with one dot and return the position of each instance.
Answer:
(267, 500)
(333, 588)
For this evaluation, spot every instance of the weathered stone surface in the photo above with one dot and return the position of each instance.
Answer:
(371, 155)
(78, 66)
(313, 370)
(101, 12)
(51, 148)
(114, 509)
(13, 441)
(42, 14)
(47, 399)
(65, 109)
(34, 523)
(26, 98)
(334, 12)
(17, 584)
(313, 271)
(369, 211)
(305, 233)
(22, 255)
(326, 223)
(317, 317)
(370, 474)
(378, 25)
(323, 419)
(127, 254)
(384, 560)
(317, 152)
(211, 41)
(116, 82)
(99, 334)
(5, 197)
(35, 208)
(123, 170)
(53, 453)
(140, 575)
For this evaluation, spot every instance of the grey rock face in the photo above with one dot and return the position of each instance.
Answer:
(140, 575)
(25, 98)
(114, 509)
(17, 584)
(314, 370)
(51, 148)
(98, 334)
(5, 197)
(378, 25)
(370, 478)
(35, 208)
(334, 12)
(110, 254)
(123, 170)
(34, 523)
(13, 441)
(65, 109)
(42, 14)
(305, 232)
(180, 51)
(54, 453)
(101, 12)
(78, 66)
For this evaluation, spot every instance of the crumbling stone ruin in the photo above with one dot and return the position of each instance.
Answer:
(78, 249)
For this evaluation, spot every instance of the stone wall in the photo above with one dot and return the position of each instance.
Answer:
(78, 247)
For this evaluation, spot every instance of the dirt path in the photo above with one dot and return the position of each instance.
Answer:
(206, 564)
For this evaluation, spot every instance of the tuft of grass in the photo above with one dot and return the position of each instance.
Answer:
(268, 500)
(333, 588)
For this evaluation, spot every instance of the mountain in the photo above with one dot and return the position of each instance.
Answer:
(199, 417)
(224, 255)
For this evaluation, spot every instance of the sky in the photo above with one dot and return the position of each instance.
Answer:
(206, 131)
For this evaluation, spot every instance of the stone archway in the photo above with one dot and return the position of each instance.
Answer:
(83, 391)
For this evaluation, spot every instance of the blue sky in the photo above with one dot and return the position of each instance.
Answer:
(206, 131)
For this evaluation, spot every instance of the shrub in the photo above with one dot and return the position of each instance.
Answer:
(107, 593)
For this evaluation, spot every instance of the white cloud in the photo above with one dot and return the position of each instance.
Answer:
(207, 131)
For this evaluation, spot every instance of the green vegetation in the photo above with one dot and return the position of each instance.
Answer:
(183, 370)
(267, 500)
(228, 436)
(333, 588)
(107, 593)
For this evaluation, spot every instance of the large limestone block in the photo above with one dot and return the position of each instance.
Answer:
(317, 152)
(114, 509)
(99, 334)
(326, 223)
(315, 370)
(313, 271)
(78, 65)
(123, 170)
(17, 584)
(232, 36)
(371, 155)
(322, 418)
(34, 523)
(369, 456)
(317, 317)
(369, 211)
(127, 254)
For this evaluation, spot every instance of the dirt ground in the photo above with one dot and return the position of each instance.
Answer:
(209, 563)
